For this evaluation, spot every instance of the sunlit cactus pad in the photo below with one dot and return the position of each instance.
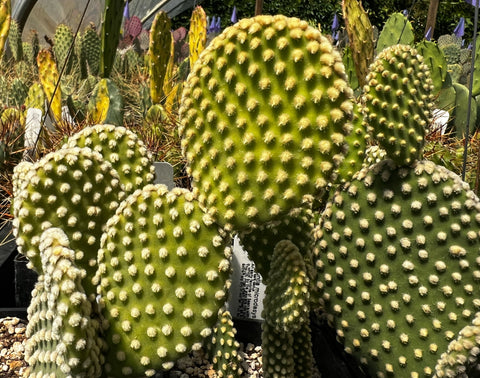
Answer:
(399, 265)
(163, 275)
(64, 338)
(397, 102)
(123, 149)
(265, 112)
(73, 189)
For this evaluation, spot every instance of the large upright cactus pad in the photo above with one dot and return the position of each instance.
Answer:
(398, 259)
(264, 117)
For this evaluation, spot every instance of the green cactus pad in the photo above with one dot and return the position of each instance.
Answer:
(398, 259)
(74, 189)
(63, 39)
(397, 101)
(461, 359)
(264, 117)
(287, 293)
(163, 275)
(123, 149)
(297, 226)
(63, 335)
(224, 348)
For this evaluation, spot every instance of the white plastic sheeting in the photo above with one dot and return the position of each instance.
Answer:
(47, 14)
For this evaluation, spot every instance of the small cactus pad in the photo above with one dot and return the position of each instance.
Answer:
(73, 189)
(397, 101)
(264, 117)
(461, 359)
(224, 348)
(399, 265)
(163, 276)
(123, 149)
(297, 226)
(62, 334)
(287, 294)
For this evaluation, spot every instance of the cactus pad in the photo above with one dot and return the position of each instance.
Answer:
(123, 149)
(74, 189)
(397, 102)
(264, 117)
(62, 334)
(163, 275)
(398, 260)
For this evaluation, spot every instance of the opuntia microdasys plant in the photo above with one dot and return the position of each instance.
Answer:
(267, 118)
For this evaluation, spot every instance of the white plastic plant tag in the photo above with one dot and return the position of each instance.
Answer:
(164, 174)
(33, 125)
(247, 290)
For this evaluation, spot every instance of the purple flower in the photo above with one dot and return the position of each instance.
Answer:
(460, 28)
(475, 3)
(211, 27)
(428, 34)
(234, 17)
(405, 12)
(126, 11)
(218, 25)
(335, 23)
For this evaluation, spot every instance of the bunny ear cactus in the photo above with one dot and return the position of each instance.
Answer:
(163, 275)
(264, 116)
(398, 265)
(398, 245)
(63, 337)
(74, 189)
(399, 126)
(123, 149)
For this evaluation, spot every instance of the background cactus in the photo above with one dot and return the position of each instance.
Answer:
(197, 36)
(49, 77)
(396, 30)
(159, 54)
(106, 104)
(62, 48)
(5, 20)
(15, 40)
(110, 35)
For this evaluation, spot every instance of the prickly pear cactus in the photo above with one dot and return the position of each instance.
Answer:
(5, 20)
(110, 34)
(399, 126)
(63, 336)
(106, 104)
(163, 275)
(63, 40)
(123, 149)
(197, 36)
(264, 117)
(35, 97)
(15, 40)
(398, 265)
(397, 30)
(74, 189)
(91, 49)
(49, 76)
(159, 53)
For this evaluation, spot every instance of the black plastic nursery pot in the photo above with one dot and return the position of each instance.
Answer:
(16, 280)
